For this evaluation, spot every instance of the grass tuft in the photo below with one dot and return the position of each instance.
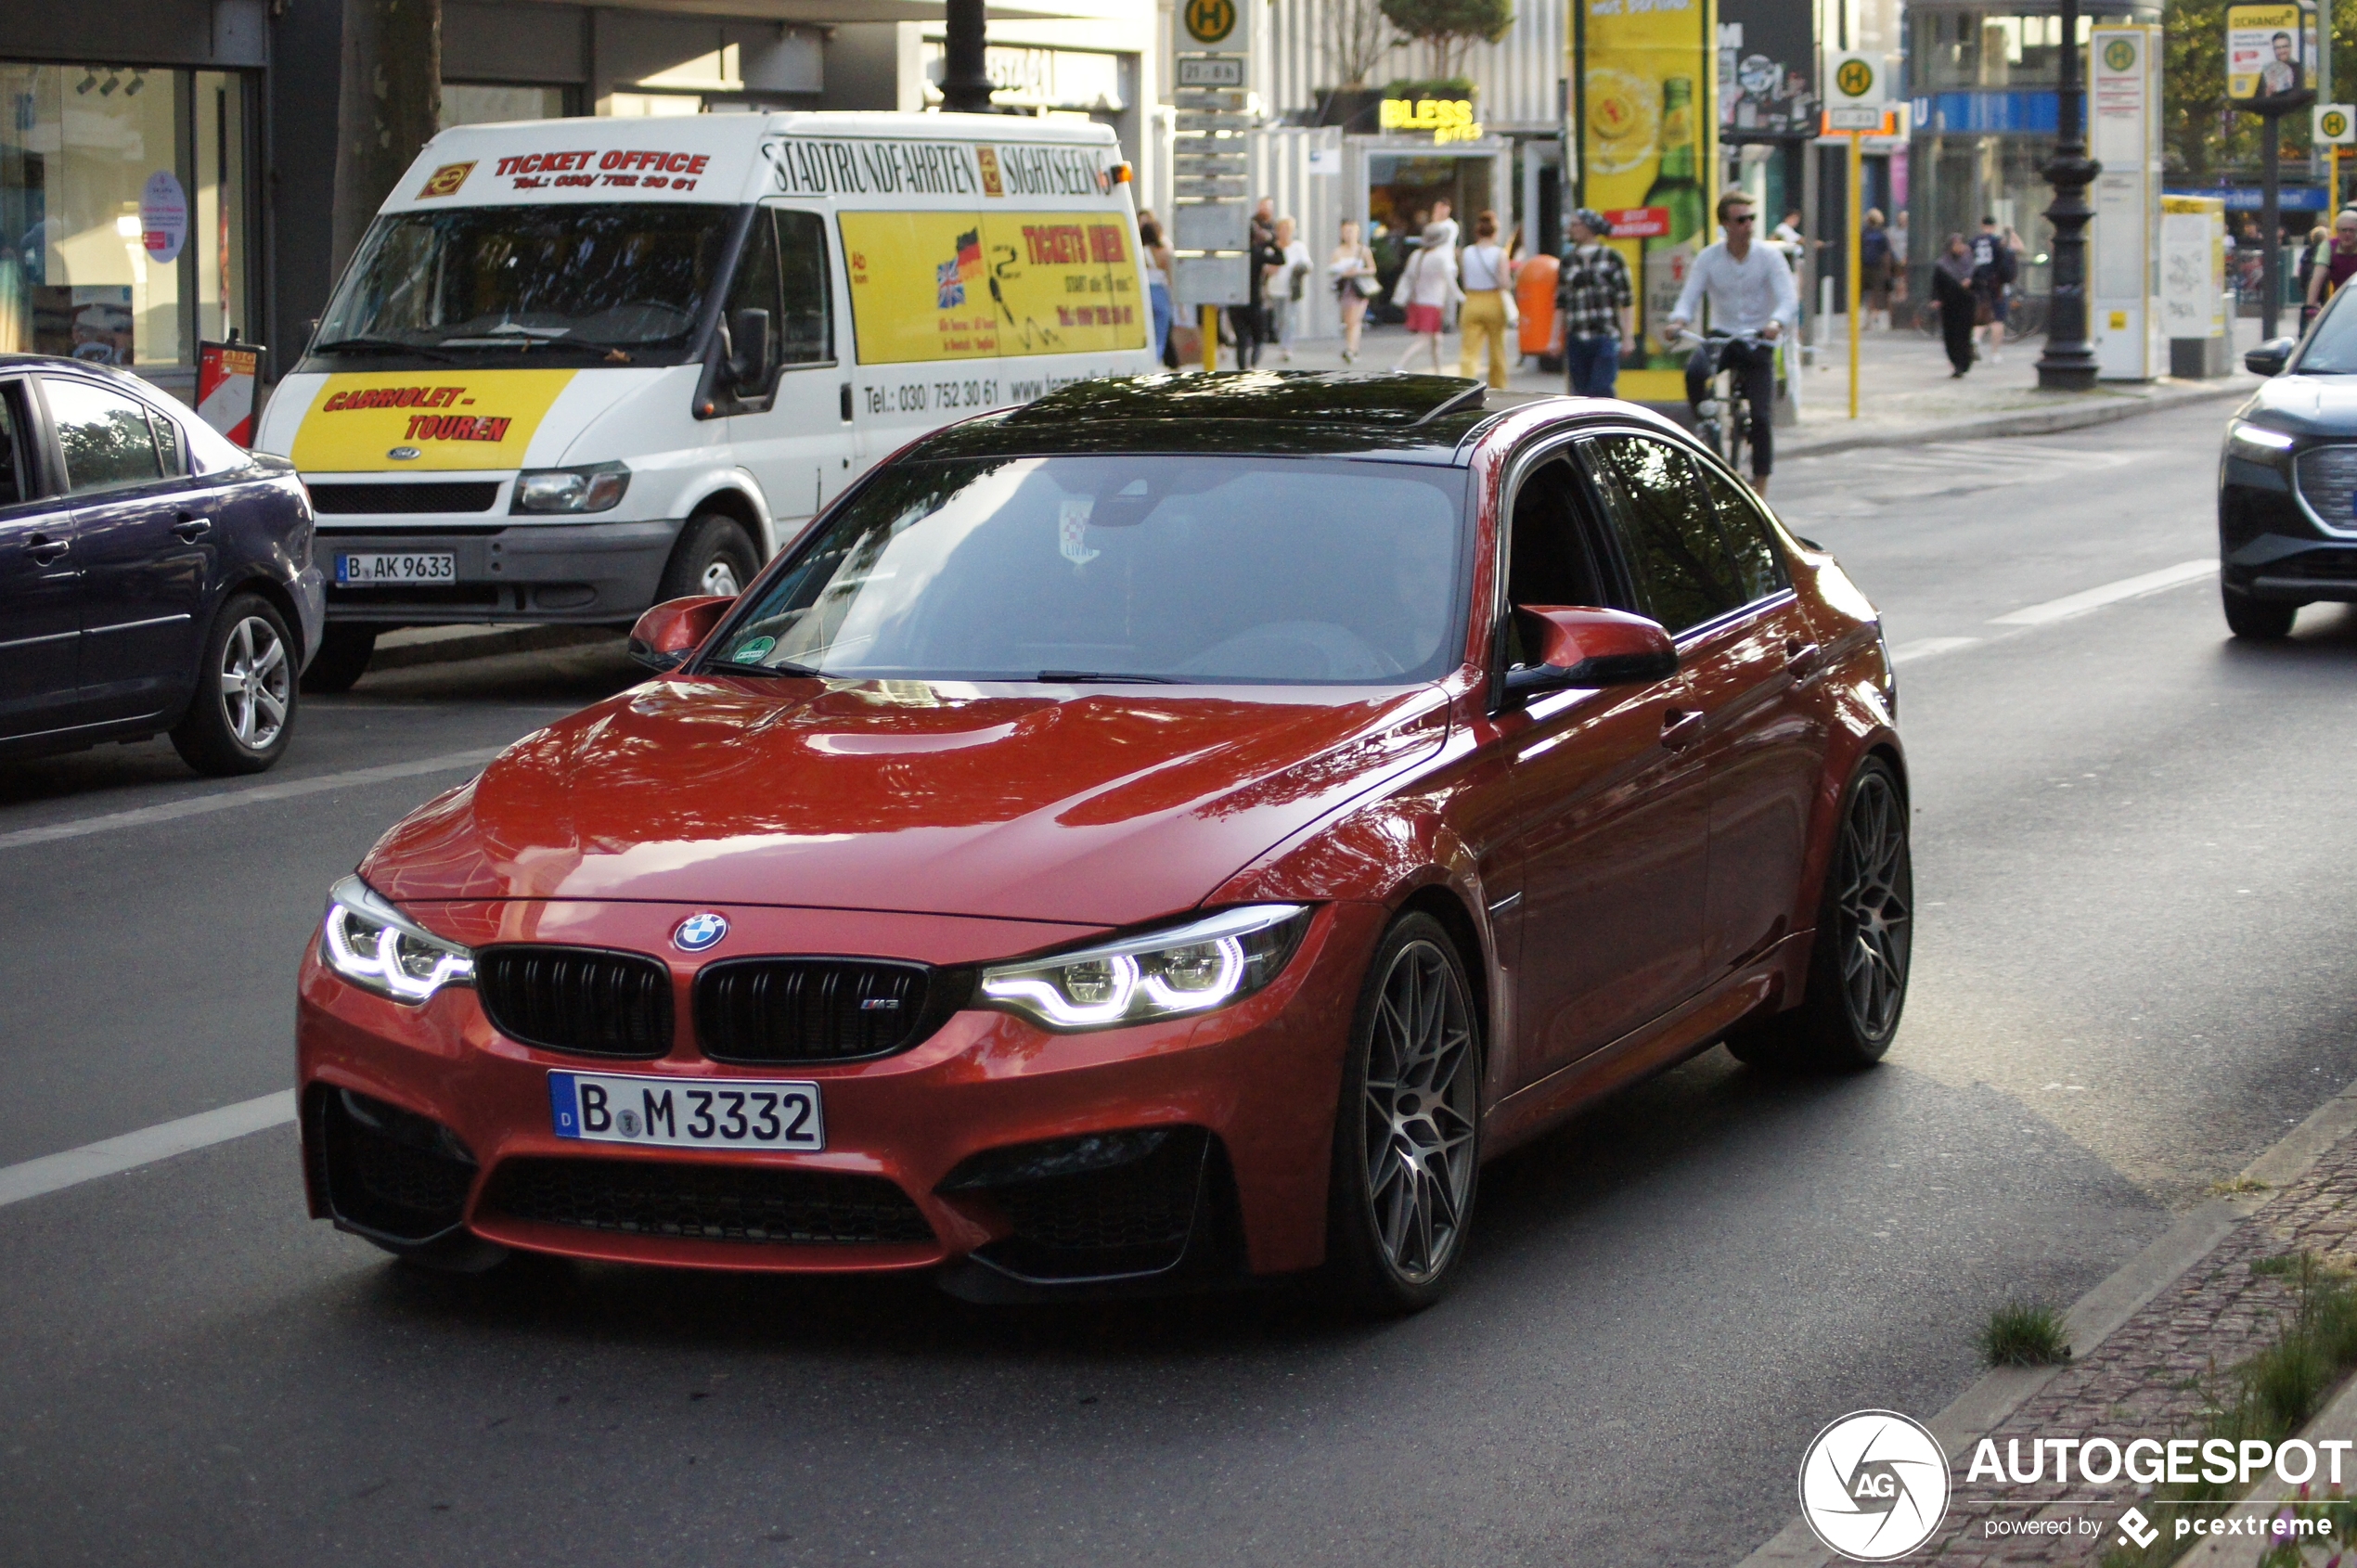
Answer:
(2024, 1334)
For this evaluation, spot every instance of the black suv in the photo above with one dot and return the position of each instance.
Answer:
(2287, 480)
(154, 577)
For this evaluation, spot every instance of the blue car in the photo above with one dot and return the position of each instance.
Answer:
(154, 577)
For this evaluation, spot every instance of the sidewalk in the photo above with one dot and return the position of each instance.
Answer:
(1906, 394)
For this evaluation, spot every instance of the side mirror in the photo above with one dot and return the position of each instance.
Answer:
(1591, 647)
(672, 630)
(749, 348)
(2269, 358)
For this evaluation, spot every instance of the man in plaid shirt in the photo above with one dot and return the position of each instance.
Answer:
(1594, 306)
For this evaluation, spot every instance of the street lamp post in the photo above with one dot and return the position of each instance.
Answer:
(2069, 364)
(965, 76)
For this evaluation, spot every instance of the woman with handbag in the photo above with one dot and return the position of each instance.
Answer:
(1352, 267)
(1427, 287)
(1283, 286)
(1485, 278)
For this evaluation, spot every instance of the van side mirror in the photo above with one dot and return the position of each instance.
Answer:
(2270, 357)
(1591, 647)
(674, 629)
(749, 348)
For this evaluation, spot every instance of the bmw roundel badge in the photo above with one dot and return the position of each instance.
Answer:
(700, 930)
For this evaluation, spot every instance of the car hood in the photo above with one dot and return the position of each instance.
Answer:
(2307, 404)
(1106, 807)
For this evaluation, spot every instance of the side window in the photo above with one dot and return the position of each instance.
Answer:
(1550, 560)
(170, 449)
(1757, 561)
(104, 436)
(1685, 574)
(16, 447)
(806, 327)
(756, 289)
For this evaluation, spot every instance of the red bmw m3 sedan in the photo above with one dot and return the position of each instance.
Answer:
(1167, 834)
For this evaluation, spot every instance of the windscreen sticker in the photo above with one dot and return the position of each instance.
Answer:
(938, 285)
(411, 421)
(446, 180)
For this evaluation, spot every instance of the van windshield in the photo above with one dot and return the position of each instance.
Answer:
(495, 285)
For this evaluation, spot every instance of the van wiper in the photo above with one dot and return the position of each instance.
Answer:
(1075, 678)
(365, 344)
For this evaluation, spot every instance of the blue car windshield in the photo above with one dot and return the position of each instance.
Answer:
(1191, 570)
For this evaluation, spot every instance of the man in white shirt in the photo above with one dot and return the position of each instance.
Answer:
(1750, 289)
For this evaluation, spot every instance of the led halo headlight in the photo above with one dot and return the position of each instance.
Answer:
(1168, 974)
(2257, 443)
(597, 488)
(379, 948)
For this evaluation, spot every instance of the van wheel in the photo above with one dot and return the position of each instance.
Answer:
(343, 656)
(714, 557)
(244, 706)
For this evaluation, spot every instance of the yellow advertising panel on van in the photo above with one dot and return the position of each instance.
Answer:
(949, 285)
(425, 419)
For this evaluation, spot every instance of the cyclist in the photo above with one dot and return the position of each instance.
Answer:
(1751, 296)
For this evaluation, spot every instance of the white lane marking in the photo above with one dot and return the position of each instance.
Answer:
(1929, 648)
(2110, 593)
(201, 805)
(53, 1173)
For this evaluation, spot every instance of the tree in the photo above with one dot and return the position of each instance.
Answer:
(1360, 36)
(1450, 26)
(2203, 137)
(389, 106)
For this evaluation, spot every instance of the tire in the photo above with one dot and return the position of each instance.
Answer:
(1858, 966)
(714, 556)
(2257, 620)
(243, 709)
(343, 659)
(1412, 1081)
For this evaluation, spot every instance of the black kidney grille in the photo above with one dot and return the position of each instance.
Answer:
(753, 1203)
(586, 1001)
(772, 1010)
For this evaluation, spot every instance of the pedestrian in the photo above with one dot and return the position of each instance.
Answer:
(2332, 271)
(1596, 307)
(1992, 270)
(2311, 253)
(1158, 265)
(1440, 210)
(1287, 283)
(1901, 259)
(1750, 289)
(1873, 268)
(1485, 278)
(1352, 267)
(1427, 287)
(1250, 319)
(1951, 290)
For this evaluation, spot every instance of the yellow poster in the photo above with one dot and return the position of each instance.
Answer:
(1646, 159)
(946, 286)
(414, 420)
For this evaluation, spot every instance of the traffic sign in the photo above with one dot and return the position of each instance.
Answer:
(1854, 117)
(1209, 23)
(1856, 82)
(2337, 124)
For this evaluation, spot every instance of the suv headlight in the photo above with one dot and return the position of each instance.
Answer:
(1189, 969)
(379, 948)
(2257, 443)
(597, 488)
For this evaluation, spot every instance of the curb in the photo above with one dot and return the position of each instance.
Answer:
(2337, 1419)
(1987, 1403)
(484, 644)
(2032, 421)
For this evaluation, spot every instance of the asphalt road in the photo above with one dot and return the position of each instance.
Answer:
(2132, 855)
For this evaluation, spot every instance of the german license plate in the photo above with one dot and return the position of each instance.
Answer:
(687, 1112)
(408, 566)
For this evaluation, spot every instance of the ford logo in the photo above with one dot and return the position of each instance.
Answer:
(700, 930)
(405, 454)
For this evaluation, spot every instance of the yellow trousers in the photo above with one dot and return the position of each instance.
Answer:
(1483, 315)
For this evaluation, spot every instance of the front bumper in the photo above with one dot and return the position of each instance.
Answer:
(583, 573)
(2270, 546)
(1248, 1092)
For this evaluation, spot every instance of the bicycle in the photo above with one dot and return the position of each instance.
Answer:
(1722, 419)
(2025, 315)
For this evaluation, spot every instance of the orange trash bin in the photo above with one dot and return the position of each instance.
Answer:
(1535, 297)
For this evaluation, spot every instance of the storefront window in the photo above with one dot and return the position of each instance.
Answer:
(124, 213)
(1980, 49)
(483, 103)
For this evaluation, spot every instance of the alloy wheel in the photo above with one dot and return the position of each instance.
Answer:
(256, 680)
(1874, 906)
(1419, 1109)
(720, 579)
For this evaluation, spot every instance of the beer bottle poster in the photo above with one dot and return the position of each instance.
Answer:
(1646, 159)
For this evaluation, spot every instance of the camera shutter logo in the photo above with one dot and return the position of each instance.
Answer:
(1874, 1486)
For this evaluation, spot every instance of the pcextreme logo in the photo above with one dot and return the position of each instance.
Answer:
(1874, 1486)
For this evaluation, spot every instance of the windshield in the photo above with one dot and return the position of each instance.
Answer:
(1190, 570)
(492, 285)
(2331, 349)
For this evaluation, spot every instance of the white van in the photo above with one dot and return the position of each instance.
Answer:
(578, 366)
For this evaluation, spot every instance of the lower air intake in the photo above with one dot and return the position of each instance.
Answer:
(761, 1205)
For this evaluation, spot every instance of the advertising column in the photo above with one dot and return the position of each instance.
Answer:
(1644, 70)
(2124, 136)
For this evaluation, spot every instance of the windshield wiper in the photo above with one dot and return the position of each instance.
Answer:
(1075, 677)
(724, 667)
(365, 344)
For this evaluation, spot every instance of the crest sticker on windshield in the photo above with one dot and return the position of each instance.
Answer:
(1071, 530)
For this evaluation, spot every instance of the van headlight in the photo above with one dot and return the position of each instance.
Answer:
(1193, 967)
(379, 948)
(597, 488)
(2257, 443)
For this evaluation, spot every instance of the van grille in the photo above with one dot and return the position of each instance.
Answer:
(586, 1001)
(335, 499)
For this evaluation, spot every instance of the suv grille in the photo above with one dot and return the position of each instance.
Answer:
(709, 1203)
(584, 1000)
(2327, 478)
(812, 1009)
(466, 495)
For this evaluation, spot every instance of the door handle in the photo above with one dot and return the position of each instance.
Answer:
(191, 528)
(1802, 660)
(46, 549)
(1680, 727)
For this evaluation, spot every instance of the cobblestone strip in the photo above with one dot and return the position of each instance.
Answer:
(2146, 1378)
